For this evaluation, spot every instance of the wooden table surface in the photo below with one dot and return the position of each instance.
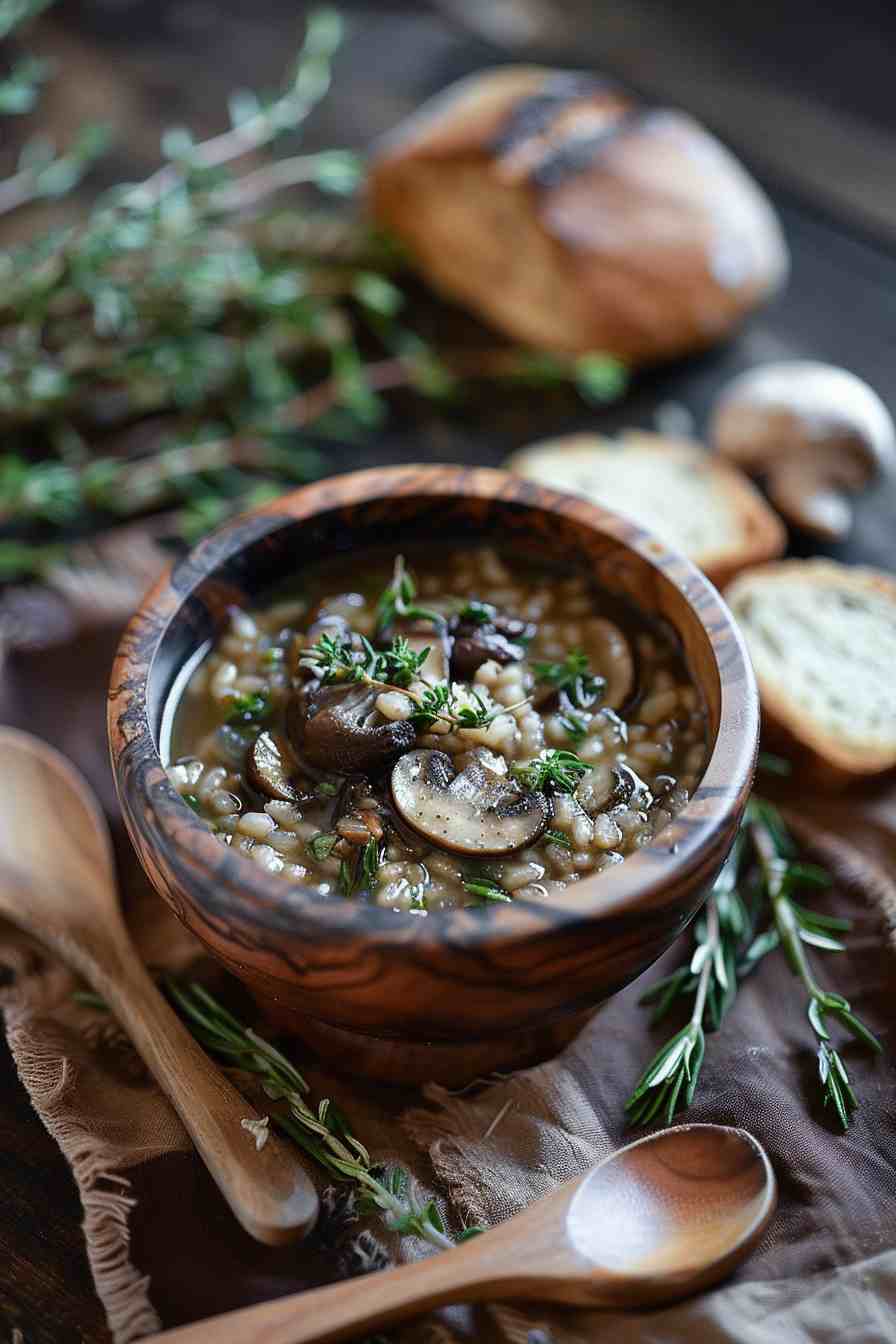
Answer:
(808, 100)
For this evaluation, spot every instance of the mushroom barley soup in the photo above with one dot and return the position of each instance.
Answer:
(480, 730)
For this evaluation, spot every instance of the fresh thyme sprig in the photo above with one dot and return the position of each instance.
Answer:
(795, 927)
(334, 659)
(551, 772)
(397, 600)
(324, 1133)
(393, 669)
(582, 687)
(196, 299)
(252, 708)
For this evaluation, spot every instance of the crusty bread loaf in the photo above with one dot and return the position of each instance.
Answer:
(574, 219)
(822, 637)
(690, 499)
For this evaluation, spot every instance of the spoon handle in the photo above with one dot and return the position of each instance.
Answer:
(268, 1190)
(345, 1310)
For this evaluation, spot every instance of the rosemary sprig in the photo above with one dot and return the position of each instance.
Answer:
(487, 890)
(727, 948)
(324, 1133)
(710, 977)
(796, 927)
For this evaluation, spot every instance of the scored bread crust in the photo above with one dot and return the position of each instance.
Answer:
(833, 763)
(575, 219)
(760, 534)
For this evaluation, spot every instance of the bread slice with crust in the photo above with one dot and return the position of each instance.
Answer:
(693, 501)
(822, 637)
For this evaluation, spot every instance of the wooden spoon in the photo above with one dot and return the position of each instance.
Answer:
(57, 881)
(662, 1218)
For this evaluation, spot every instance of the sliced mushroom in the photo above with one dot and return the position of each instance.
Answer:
(272, 770)
(499, 638)
(475, 812)
(816, 433)
(339, 728)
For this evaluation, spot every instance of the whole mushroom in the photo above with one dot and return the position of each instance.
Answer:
(814, 432)
(487, 635)
(476, 812)
(339, 728)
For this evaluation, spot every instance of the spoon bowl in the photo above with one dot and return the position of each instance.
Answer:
(629, 1215)
(664, 1217)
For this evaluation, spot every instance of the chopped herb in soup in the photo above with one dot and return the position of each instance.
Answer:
(475, 731)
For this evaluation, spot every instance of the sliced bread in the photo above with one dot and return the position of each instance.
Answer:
(822, 637)
(694, 502)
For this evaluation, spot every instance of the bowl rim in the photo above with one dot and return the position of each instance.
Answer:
(169, 827)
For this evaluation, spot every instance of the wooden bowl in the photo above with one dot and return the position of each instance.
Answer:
(463, 991)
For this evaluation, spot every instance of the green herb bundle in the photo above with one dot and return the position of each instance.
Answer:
(172, 345)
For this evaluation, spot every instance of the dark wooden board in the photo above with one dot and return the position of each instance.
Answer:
(148, 66)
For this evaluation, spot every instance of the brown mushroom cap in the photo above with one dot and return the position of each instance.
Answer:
(500, 639)
(476, 812)
(272, 770)
(816, 432)
(338, 728)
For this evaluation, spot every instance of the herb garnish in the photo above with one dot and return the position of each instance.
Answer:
(558, 838)
(574, 727)
(397, 600)
(252, 708)
(321, 845)
(346, 878)
(359, 874)
(551, 771)
(370, 863)
(487, 890)
(393, 669)
(582, 687)
(478, 613)
(334, 659)
(324, 1133)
